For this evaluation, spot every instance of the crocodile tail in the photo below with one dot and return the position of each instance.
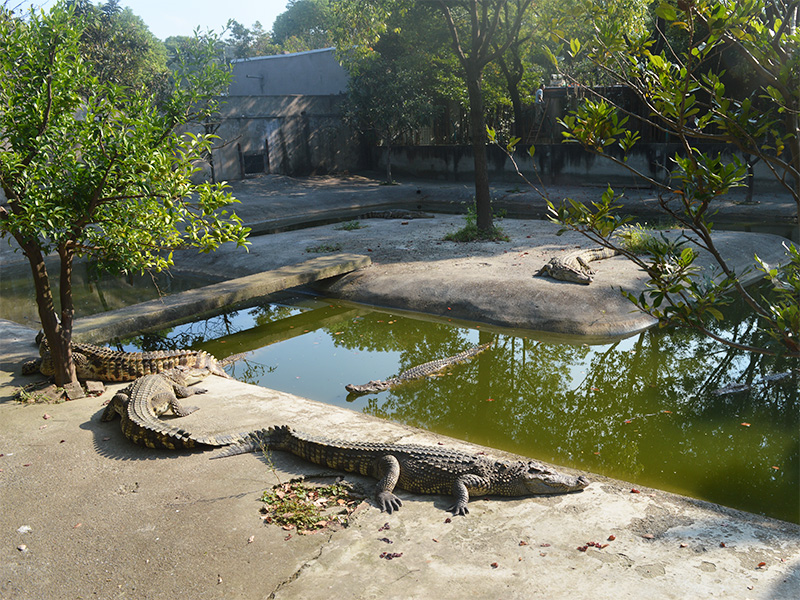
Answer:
(257, 441)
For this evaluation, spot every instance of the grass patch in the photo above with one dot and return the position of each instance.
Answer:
(351, 226)
(640, 240)
(308, 508)
(323, 248)
(471, 233)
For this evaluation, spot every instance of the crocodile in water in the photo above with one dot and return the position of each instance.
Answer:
(424, 370)
(140, 404)
(415, 468)
(574, 266)
(103, 364)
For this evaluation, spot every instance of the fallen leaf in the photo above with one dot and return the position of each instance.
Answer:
(77, 525)
(490, 399)
(762, 564)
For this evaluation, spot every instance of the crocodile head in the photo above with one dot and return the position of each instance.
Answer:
(538, 479)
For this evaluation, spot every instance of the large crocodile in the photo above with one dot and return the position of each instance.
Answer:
(141, 403)
(424, 370)
(574, 266)
(103, 364)
(416, 468)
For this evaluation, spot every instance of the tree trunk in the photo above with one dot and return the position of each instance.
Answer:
(483, 197)
(57, 334)
(388, 164)
(513, 78)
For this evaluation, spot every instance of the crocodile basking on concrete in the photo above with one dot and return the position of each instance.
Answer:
(141, 403)
(415, 468)
(424, 370)
(103, 364)
(574, 266)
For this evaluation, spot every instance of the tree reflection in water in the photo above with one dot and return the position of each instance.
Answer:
(641, 409)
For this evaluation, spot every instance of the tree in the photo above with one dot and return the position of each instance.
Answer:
(304, 25)
(248, 43)
(685, 94)
(120, 46)
(481, 30)
(385, 99)
(93, 169)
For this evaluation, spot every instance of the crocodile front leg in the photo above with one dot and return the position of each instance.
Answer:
(461, 490)
(388, 468)
(182, 391)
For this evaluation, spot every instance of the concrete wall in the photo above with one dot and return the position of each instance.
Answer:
(290, 135)
(555, 163)
(316, 72)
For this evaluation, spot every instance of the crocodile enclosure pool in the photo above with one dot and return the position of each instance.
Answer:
(652, 409)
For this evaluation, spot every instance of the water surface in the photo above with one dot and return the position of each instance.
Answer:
(643, 409)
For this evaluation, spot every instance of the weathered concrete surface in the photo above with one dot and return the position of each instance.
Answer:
(488, 282)
(108, 519)
(210, 300)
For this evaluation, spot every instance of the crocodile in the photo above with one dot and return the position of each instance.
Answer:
(103, 364)
(574, 266)
(415, 468)
(424, 370)
(141, 403)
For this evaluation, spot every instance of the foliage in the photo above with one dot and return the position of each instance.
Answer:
(120, 46)
(306, 508)
(685, 92)
(249, 43)
(351, 226)
(305, 25)
(324, 248)
(472, 233)
(97, 170)
(384, 98)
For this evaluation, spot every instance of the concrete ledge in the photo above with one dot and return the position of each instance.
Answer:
(212, 299)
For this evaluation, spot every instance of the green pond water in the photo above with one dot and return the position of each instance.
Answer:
(643, 409)
(93, 292)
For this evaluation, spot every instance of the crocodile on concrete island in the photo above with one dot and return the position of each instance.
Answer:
(415, 468)
(574, 266)
(103, 364)
(424, 370)
(141, 403)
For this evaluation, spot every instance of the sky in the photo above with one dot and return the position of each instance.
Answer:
(180, 17)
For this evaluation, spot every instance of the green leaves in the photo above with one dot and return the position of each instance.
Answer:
(95, 169)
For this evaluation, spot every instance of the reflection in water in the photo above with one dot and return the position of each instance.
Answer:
(642, 409)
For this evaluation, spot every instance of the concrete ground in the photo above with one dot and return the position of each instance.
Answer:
(86, 514)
